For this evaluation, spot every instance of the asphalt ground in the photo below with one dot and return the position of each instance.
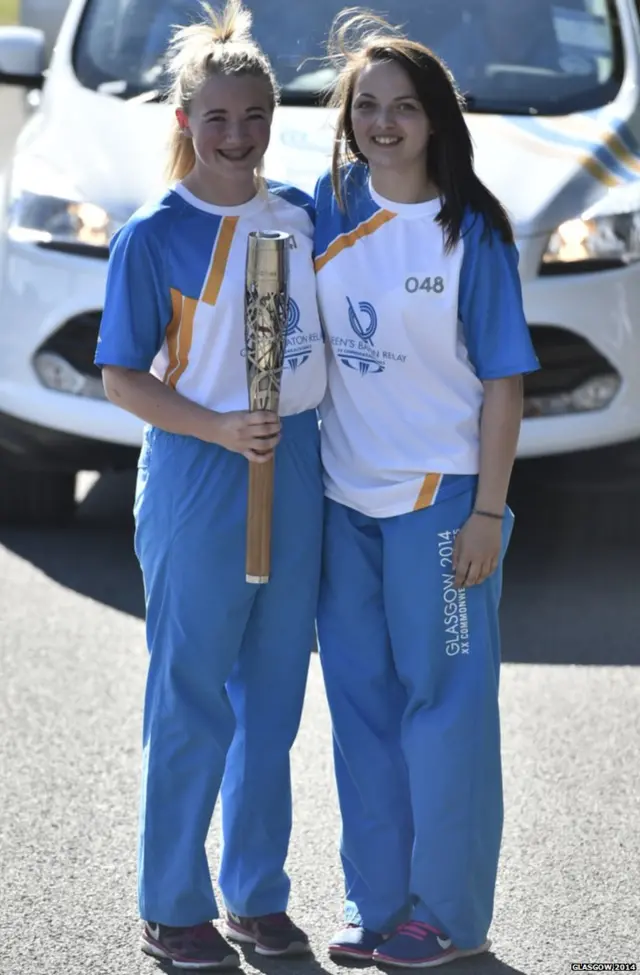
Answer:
(73, 657)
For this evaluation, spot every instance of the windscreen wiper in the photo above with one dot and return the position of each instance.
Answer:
(483, 106)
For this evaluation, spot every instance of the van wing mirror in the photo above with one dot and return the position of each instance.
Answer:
(22, 53)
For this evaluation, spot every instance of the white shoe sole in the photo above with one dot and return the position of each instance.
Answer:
(240, 937)
(453, 956)
(347, 953)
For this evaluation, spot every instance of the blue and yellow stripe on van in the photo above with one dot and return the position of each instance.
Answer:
(608, 151)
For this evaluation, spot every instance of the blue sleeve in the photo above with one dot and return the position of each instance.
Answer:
(137, 308)
(331, 219)
(490, 306)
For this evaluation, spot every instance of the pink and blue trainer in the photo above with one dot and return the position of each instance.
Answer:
(418, 945)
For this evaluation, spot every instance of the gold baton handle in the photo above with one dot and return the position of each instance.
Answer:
(266, 314)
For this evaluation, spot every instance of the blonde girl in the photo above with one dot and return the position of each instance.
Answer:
(228, 660)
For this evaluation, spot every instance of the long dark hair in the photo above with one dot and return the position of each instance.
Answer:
(359, 38)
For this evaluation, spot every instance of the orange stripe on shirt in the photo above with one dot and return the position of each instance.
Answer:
(180, 331)
(219, 263)
(348, 240)
(173, 329)
(179, 336)
(428, 491)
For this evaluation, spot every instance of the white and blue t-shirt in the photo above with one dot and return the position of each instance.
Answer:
(175, 298)
(413, 332)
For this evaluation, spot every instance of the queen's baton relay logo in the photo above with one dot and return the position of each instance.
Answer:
(361, 354)
(364, 357)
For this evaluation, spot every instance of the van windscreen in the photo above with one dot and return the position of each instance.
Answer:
(543, 57)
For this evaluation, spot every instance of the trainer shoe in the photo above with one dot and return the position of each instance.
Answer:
(418, 945)
(272, 934)
(355, 942)
(198, 947)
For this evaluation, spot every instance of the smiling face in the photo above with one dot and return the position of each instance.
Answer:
(229, 121)
(389, 123)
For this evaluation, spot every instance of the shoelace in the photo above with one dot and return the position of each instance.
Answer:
(418, 930)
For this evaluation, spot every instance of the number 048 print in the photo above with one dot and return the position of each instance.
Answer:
(424, 284)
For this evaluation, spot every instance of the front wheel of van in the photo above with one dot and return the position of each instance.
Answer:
(36, 498)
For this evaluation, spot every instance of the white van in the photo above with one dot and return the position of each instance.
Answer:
(553, 89)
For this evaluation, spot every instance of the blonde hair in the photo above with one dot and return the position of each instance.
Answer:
(220, 45)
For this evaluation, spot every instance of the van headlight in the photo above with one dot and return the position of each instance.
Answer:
(608, 232)
(614, 239)
(45, 209)
(59, 224)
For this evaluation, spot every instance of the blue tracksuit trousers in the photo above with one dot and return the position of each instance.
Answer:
(411, 667)
(227, 670)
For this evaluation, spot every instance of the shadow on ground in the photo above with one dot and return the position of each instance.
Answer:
(313, 965)
(94, 555)
(571, 593)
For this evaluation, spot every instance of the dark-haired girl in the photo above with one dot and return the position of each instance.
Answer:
(421, 300)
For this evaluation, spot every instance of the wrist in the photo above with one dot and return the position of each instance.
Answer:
(489, 513)
(495, 501)
(205, 424)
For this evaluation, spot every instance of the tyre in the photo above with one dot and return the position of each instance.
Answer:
(36, 498)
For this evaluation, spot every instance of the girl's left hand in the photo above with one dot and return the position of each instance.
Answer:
(477, 549)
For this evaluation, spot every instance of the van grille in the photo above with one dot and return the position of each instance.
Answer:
(76, 342)
(566, 359)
